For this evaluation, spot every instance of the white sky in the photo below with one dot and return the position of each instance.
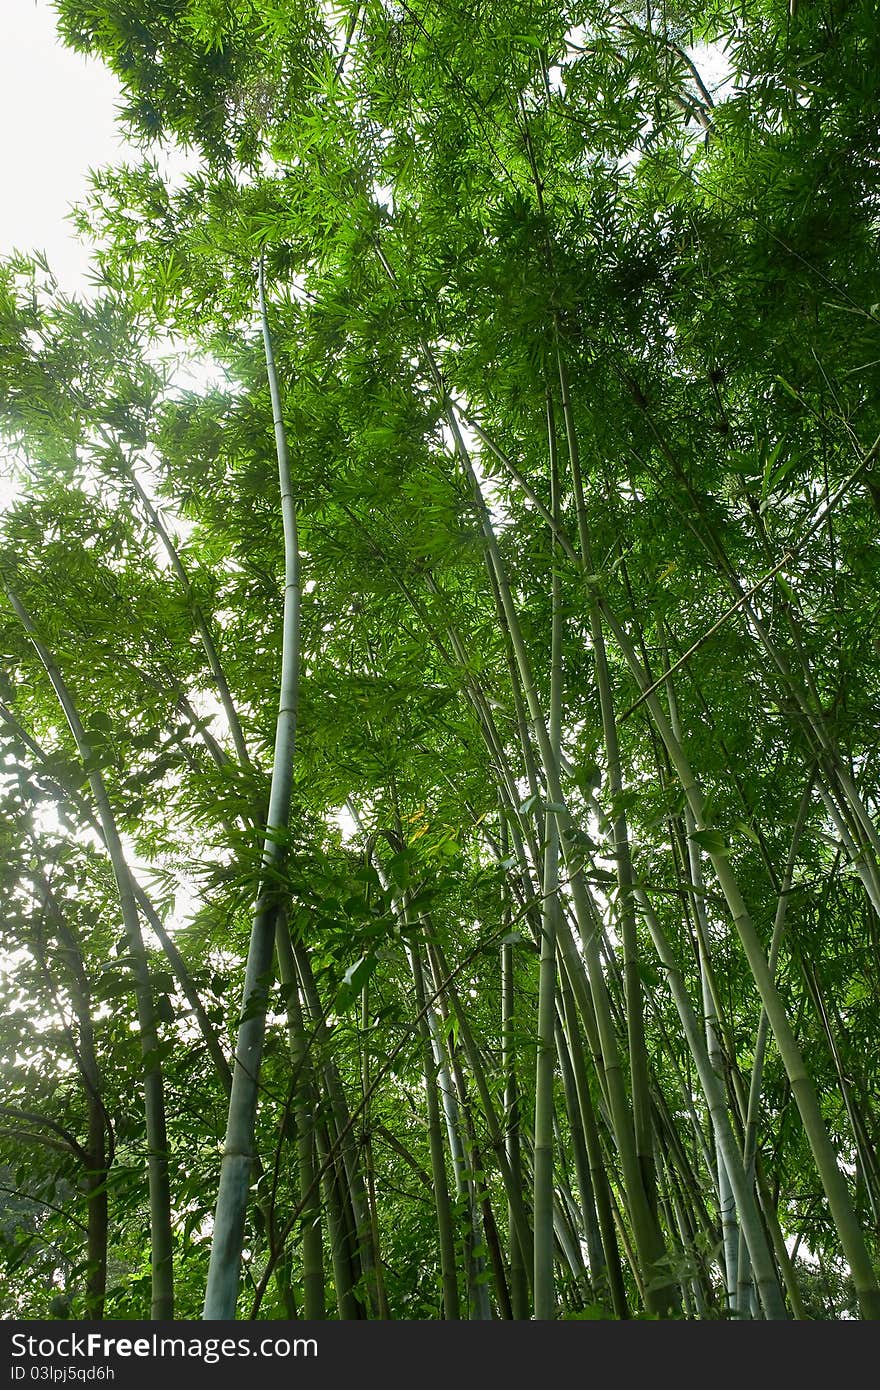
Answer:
(57, 119)
(58, 113)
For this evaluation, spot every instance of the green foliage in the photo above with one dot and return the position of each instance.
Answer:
(449, 202)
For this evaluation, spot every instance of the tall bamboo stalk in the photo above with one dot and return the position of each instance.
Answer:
(519, 1282)
(849, 1230)
(462, 1167)
(99, 1142)
(852, 1240)
(332, 1180)
(587, 1206)
(378, 1275)
(445, 1227)
(730, 1234)
(659, 1289)
(203, 627)
(238, 1154)
(635, 1026)
(161, 1240)
(750, 1143)
(304, 1107)
(545, 1299)
(598, 1167)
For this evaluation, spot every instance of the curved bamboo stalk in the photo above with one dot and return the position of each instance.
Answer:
(203, 627)
(162, 1304)
(238, 1155)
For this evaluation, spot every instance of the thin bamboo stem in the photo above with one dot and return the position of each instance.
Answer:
(238, 1155)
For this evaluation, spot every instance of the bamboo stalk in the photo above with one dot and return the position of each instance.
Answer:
(646, 1231)
(598, 1167)
(751, 1126)
(825, 1158)
(162, 1303)
(97, 1160)
(635, 1027)
(238, 1155)
(305, 1106)
(519, 1285)
(369, 1164)
(445, 1229)
(545, 1298)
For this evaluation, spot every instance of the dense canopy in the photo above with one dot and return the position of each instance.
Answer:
(440, 690)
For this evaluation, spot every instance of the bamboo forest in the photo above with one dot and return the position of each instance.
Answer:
(440, 681)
